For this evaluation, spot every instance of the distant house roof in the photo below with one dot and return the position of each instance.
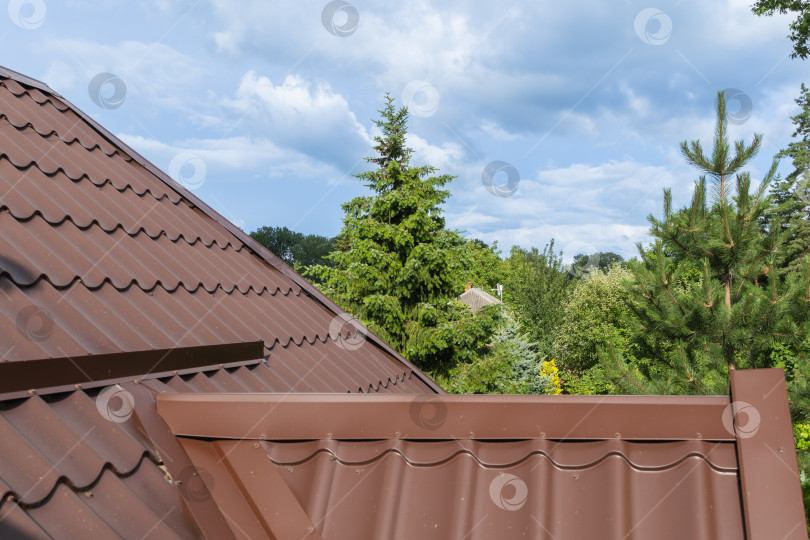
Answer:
(164, 376)
(477, 298)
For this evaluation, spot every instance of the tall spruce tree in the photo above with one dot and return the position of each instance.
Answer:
(740, 312)
(397, 268)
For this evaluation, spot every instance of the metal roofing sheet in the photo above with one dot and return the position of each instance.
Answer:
(60, 453)
(65, 253)
(398, 490)
(102, 253)
(475, 489)
(57, 198)
(142, 505)
(398, 466)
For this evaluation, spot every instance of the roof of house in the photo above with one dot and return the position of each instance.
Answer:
(477, 298)
(164, 376)
(103, 253)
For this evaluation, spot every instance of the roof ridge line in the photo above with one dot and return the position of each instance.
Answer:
(28, 81)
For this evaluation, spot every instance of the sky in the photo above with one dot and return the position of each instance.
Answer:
(560, 121)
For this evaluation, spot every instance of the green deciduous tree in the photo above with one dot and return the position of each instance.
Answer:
(296, 249)
(487, 269)
(739, 310)
(398, 269)
(799, 28)
(536, 288)
(583, 264)
(595, 315)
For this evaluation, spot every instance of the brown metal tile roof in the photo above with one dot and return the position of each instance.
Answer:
(481, 467)
(102, 253)
(107, 266)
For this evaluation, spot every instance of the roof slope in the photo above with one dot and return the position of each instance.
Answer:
(477, 298)
(103, 253)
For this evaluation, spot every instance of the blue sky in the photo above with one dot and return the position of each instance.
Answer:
(265, 109)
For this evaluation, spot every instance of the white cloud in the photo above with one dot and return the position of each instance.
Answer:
(154, 71)
(580, 206)
(445, 157)
(297, 114)
(232, 159)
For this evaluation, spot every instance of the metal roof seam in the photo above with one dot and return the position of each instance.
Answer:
(514, 463)
(78, 281)
(141, 230)
(65, 139)
(67, 482)
(98, 182)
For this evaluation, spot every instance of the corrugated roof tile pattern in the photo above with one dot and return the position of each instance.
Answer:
(100, 255)
(479, 490)
(76, 474)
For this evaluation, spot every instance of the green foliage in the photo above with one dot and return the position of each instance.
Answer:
(799, 28)
(511, 365)
(296, 249)
(791, 212)
(396, 267)
(536, 288)
(689, 333)
(804, 477)
(583, 265)
(595, 314)
(590, 382)
(801, 434)
(487, 269)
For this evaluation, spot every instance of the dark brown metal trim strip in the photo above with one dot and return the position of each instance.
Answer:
(769, 472)
(357, 417)
(59, 372)
(121, 380)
